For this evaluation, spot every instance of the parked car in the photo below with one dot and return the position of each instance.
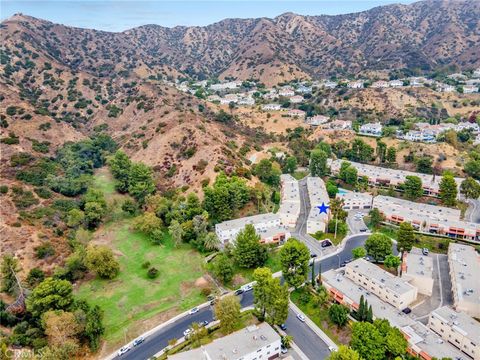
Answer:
(301, 317)
(313, 255)
(332, 349)
(425, 251)
(187, 332)
(239, 292)
(283, 327)
(247, 287)
(363, 230)
(407, 310)
(283, 349)
(204, 323)
(138, 341)
(326, 243)
(193, 311)
(213, 302)
(123, 350)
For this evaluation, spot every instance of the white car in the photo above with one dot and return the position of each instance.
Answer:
(193, 311)
(187, 332)
(123, 350)
(247, 287)
(332, 349)
(301, 317)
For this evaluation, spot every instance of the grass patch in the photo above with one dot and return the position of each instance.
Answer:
(433, 243)
(329, 236)
(299, 175)
(319, 315)
(132, 298)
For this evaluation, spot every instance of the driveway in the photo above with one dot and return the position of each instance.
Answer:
(473, 211)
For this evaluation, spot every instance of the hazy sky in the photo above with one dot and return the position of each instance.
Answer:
(121, 15)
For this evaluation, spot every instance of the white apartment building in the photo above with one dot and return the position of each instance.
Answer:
(464, 264)
(459, 329)
(304, 89)
(271, 107)
(330, 84)
(229, 98)
(290, 201)
(248, 101)
(355, 84)
(389, 288)
(420, 136)
(422, 342)
(380, 84)
(355, 200)
(470, 89)
(251, 343)
(445, 88)
(317, 120)
(287, 92)
(427, 218)
(383, 177)
(318, 195)
(417, 269)
(225, 86)
(268, 226)
(372, 129)
(476, 73)
(395, 83)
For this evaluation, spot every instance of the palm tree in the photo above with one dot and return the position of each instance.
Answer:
(211, 242)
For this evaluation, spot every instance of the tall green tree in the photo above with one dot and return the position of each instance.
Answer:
(8, 269)
(391, 155)
(140, 181)
(413, 187)
(227, 311)
(50, 294)
(294, 258)
(338, 314)
(470, 188)
(392, 262)
(367, 340)
(381, 150)
(318, 163)
(101, 260)
(270, 297)
(290, 165)
(405, 237)
(223, 268)
(248, 251)
(359, 252)
(448, 190)
(376, 217)
(120, 166)
(268, 172)
(378, 246)
(176, 231)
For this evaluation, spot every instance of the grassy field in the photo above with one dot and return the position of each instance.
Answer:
(132, 302)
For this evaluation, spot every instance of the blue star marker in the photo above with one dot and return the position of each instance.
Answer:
(323, 208)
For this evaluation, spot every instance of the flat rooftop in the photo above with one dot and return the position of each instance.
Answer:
(465, 267)
(430, 342)
(347, 195)
(460, 321)
(394, 175)
(418, 264)
(353, 291)
(317, 191)
(289, 208)
(240, 223)
(233, 346)
(290, 192)
(380, 276)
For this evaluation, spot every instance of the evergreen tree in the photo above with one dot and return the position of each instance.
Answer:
(405, 237)
(248, 251)
(448, 190)
(413, 187)
(8, 269)
(294, 258)
(318, 163)
(470, 188)
(369, 316)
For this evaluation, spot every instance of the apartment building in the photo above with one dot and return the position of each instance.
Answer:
(251, 343)
(427, 218)
(268, 226)
(420, 136)
(290, 200)
(339, 125)
(296, 113)
(383, 177)
(372, 129)
(422, 342)
(459, 329)
(470, 89)
(271, 107)
(317, 120)
(464, 264)
(354, 200)
(417, 269)
(389, 288)
(318, 195)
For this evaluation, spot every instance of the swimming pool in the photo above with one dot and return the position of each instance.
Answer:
(342, 191)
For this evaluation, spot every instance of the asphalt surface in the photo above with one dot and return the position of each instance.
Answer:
(473, 212)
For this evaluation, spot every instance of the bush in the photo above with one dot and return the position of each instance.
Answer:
(152, 272)
(3, 189)
(42, 192)
(23, 199)
(44, 250)
(146, 264)
(20, 159)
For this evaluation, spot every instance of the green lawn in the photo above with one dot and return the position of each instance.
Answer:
(299, 175)
(330, 236)
(132, 298)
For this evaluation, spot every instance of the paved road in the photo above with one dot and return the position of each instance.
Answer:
(309, 342)
(473, 212)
